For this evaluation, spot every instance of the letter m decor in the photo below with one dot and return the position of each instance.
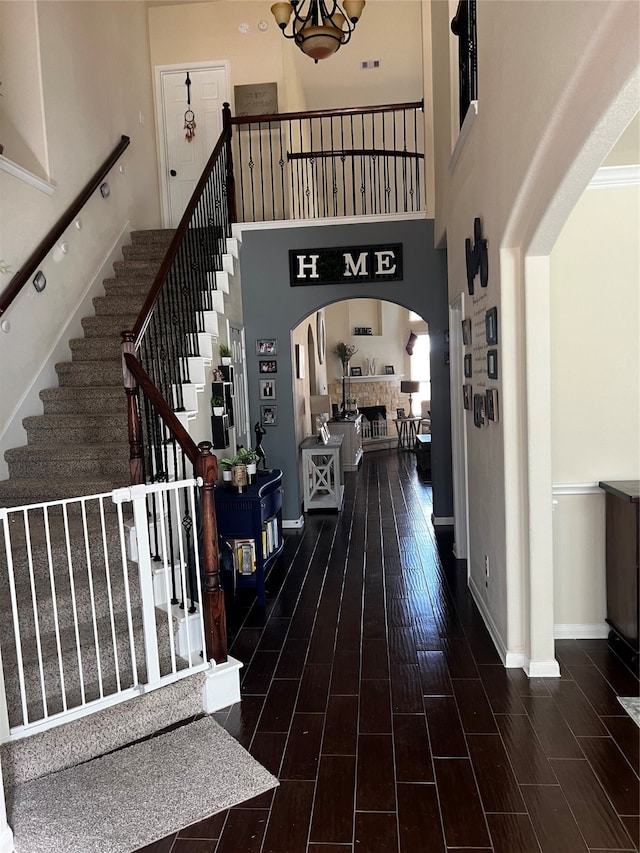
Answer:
(347, 265)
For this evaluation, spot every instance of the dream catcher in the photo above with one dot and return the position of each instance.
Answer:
(189, 116)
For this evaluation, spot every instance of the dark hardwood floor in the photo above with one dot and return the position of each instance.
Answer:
(372, 690)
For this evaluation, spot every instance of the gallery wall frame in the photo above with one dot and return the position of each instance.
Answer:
(266, 346)
(492, 405)
(269, 415)
(267, 366)
(466, 331)
(478, 409)
(468, 365)
(491, 325)
(492, 363)
(267, 389)
(467, 396)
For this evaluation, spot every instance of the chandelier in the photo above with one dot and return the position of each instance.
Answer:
(319, 27)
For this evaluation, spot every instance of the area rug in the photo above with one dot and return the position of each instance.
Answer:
(130, 798)
(631, 704)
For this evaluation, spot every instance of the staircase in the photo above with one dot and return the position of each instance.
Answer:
(79, 446)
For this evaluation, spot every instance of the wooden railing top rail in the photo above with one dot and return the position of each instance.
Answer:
(354, 152)
(343, 112)
(48, 242)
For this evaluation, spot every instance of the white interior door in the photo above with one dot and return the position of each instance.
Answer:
(181, 160)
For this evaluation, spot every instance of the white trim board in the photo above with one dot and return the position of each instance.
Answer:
(597, 631)
(610, 177)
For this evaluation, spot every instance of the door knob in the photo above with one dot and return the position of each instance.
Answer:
(173, 173)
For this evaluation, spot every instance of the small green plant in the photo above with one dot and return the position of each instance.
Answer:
(225, 464)
(352, 401)
(248, 455)
(217, 402)
(224, 351)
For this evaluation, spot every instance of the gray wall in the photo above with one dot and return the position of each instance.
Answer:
(272, 309)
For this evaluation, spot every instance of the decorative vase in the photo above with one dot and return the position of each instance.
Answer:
(239, 477)
(252, 472)
(371, 366)
(227, 477)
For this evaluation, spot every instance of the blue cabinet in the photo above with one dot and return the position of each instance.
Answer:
(255, 516)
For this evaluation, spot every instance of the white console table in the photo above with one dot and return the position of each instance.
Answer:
(351, 429)
(322, 473)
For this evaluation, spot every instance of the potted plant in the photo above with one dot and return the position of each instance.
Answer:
(352, 404)
(226, 465)
(250, 458)
(225, 354)
(345, 353)
(217, 404)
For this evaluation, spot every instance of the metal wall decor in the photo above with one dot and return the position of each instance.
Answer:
(477, 257)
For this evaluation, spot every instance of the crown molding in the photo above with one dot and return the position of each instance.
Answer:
(608, 177)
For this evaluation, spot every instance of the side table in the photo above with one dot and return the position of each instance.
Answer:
(322, 473)
(407, 429)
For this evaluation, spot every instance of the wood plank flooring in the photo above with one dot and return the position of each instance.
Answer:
(372, 690)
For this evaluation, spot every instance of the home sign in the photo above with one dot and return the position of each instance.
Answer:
(347, 265)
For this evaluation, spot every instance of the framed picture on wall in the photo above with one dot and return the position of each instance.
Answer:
(268, 366)
(491, 325)
(356, 371)
(492, 404)
(267, 389)
(492, 363)
(478, 409)
(388, 370)
(266, 346)
(269, 415)
(466, 331)
(467, 391)
(468, 365)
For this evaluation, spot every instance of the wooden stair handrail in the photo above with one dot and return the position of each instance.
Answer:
(341, 112)
(48, 242)
(206, 468)
(354, 152)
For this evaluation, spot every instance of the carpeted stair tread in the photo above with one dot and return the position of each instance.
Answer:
(75, 810)
(70, 428)
(108, 324)
(86, 738)
(14, 493)
(109, 398)
(90, 373)
(95, 349)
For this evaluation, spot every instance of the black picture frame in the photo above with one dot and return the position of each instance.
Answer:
(356, 371)
(400, 414)
(388, 370)
(269, 415)
(491, 325)
(466, 331)
(467, 396)
(266, 346)
(492, 363)
(492, 405)
(478, 409)
(468, 365)
(268, 365)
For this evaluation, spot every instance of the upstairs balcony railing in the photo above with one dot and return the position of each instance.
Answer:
(327, 163)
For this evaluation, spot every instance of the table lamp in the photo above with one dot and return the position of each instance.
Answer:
(320, 404)
(409, 388)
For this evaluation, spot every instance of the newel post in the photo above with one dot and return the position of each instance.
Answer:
(215, 621)
(133, 413)
(231, 181)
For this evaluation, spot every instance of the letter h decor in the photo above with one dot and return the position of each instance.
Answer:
(477, 257)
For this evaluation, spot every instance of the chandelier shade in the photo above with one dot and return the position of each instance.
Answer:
(319, 27)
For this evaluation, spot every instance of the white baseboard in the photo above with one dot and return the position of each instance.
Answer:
(442, 520)
(596, 631)
(293, 523)
(6, 840)
(542, 668)
(222, 686)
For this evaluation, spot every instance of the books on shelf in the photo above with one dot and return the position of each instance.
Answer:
(270, 537)
(244, 556)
